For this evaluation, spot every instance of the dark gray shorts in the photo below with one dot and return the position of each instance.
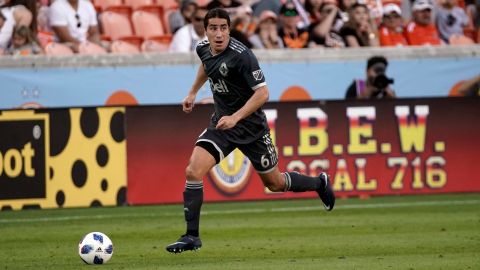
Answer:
(261, 152)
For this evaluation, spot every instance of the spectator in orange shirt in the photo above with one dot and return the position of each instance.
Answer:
(391, 30)
(421, 31)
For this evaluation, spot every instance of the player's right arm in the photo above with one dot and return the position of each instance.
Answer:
(189, 100)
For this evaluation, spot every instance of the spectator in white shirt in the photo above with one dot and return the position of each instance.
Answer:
(16, 13)
(189, 35)
(74, 22)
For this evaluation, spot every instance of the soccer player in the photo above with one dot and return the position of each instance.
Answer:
(239, 91)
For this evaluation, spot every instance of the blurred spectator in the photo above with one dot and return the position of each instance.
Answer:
(376, 85)
(304, 19)
(470, 88)
(392, 31)
(266, 36)
(188, 36)
(23, 42)
(473, 12)
(243, 25)
(74, 22)
(360, 30)
(16, 13)
(182, 16)
(344, 6)
(421, 31)
(313, 9)
(24, 12)
(262, 5)
(42, 16)
(229, 5)
(45, 33)
(293, 37)
(2, 19)
(450, 19)
(324, 30)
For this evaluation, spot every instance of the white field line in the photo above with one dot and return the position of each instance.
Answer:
(247, 211)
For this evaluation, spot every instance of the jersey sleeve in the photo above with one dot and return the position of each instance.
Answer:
(250, 70)
(202, 49)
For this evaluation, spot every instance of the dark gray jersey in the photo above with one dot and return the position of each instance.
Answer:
(234, 75)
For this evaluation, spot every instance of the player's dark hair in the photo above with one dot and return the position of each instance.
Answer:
(216, 13)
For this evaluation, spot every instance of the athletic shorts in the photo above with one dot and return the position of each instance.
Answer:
(261, 152)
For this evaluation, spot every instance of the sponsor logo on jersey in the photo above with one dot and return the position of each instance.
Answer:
(231, 175)
(220, 87)
(223, 69)
(258, 74)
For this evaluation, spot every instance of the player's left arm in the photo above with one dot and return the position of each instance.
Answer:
(254, 103)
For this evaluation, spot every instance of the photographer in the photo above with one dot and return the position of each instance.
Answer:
(376, 85)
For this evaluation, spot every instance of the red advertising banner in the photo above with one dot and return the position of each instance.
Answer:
(405, 146)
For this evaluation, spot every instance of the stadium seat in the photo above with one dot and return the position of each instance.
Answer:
(203, 3)
(147, 24)
(136, 4)
(155, 45)
(54, 48)
(166, 4)
(104, 4)
(115, 25)
(124, 47)
(90, 48)
(166, 22)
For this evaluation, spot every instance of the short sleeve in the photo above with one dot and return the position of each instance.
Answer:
(56, 15)
(92, 14)
(250, 70)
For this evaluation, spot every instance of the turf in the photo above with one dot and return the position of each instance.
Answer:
(409, 232)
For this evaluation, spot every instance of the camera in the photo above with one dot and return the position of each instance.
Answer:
(381, 81)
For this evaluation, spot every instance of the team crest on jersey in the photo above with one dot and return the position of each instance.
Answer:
(231, 175)
(223, 69)
(258, 75)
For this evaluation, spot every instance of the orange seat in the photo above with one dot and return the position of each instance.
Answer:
(54, 48)
(203, 3)
(147, 24)
(90, 48)
(156, 45)
(124, 47)
(166, 4)
(115, 25)
(135, 4)
(166, 22)
(104, 4)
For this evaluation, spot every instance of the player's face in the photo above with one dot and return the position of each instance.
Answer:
(218, 34)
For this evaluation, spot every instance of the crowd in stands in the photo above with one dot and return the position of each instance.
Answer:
(64, 27)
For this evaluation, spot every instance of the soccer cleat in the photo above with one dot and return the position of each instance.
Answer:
(326, 192)
(186, 242)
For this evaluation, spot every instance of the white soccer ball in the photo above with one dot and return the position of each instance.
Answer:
(95, 248)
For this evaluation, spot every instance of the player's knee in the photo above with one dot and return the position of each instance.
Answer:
(193, 174)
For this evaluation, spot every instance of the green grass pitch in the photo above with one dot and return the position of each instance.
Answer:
(409, 232)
